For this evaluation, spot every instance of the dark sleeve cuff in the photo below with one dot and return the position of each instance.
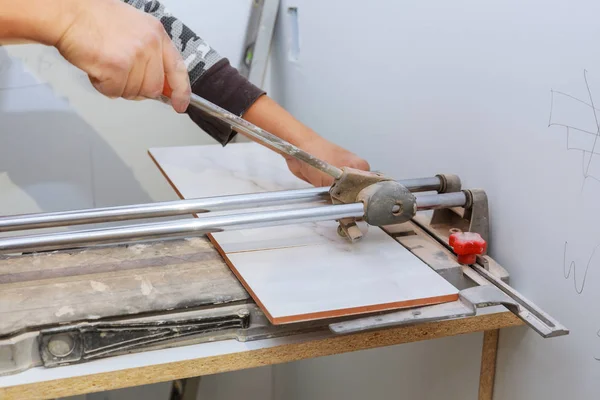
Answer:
(224, 86)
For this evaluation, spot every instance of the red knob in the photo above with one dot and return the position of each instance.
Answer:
(467, 246)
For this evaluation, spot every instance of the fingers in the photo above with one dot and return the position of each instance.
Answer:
(143, 76)
(154, 78)
(135, 80)
(308, 174)
(362, 165)
(111, 87)
(176, 74)
(317, 178)
(126, 52)
(296, 168)
(142, 79)
(146, 77)
(325, 180)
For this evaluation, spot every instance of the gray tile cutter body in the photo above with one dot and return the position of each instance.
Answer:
(355, 195)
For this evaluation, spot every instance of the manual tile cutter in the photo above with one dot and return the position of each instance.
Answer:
(459, 223)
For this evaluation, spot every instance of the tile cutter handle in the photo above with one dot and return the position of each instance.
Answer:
(257, 134)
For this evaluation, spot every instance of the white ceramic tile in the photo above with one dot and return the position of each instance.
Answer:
(214, 170)
(300, 282)
(305, 271)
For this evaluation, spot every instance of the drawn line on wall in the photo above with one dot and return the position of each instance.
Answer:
(578, 273)
(592, 152)
(574, 98)
(597, 152)
(597, 334)
(569, 127)
(573, 269)
(595, 119)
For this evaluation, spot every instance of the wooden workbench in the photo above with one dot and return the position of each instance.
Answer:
(210, 358)
(95, 276)
(175, 275)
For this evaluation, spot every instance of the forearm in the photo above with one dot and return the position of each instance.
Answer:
(267, 114)
(38, 21)
(211, 75)
(273, 118)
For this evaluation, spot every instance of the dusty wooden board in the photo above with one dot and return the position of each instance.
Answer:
(48, 289)
(303, 272)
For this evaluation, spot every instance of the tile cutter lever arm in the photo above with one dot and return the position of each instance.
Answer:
(258, 134)
(385, 200)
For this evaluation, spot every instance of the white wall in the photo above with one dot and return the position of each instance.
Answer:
(464, 87)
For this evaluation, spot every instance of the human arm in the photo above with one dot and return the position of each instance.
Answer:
(270, 116)
(125, 52)
(128, 51)
(213, 78)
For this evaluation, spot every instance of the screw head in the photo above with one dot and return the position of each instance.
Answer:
(61, 345)
(243, 313)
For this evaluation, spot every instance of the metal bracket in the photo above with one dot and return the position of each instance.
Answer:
(385, 200)
(469, 301)
(438, 312)
(474, 217)
(348, 228)
(88, 341)
(530, 313)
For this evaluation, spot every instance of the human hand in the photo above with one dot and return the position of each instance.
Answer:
(125, 52)
(326, 151)
(270, 116)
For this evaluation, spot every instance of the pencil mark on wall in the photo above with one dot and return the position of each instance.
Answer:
(587, 142)
(597, 358)
(571, 270)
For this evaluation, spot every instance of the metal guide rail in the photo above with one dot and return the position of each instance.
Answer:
(482, 281)
(313, 201)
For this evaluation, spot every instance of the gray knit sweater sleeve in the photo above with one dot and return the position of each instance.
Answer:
(211, 75)
(196, 52)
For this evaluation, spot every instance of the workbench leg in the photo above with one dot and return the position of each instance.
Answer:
(185, 389)
(488, 364)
